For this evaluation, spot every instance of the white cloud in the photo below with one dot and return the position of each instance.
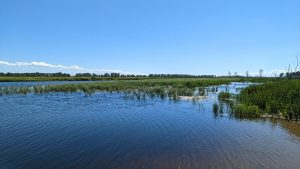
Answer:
(75, 68)
(40, 64)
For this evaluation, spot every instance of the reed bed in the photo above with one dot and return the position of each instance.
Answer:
(162, 88)
(280, 99)
(225, 96)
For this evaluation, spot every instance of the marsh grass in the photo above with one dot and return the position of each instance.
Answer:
(224, 96)
(15, 89)
(281, 99)
(275, 97)
(140, 89)
(242, 110)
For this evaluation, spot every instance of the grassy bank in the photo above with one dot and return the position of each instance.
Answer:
(281, 99)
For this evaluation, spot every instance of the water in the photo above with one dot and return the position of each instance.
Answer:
(5, 84)
(106, 131)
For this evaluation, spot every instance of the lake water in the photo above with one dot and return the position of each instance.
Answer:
(5, 84)
(106, 131)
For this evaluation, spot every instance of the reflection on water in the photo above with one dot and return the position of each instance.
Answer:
(291, 127)
(106, 131)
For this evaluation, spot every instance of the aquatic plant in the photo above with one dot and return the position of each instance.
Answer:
(280, 98)
(246, 110)
(215, 107)
(163, 88)
(224, 96)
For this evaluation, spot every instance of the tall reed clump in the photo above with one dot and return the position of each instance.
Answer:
(280, 98)
(224, 96)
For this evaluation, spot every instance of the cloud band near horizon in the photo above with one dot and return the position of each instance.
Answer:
(75, 68)
(79, 69)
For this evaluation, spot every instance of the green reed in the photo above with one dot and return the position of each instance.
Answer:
(225, 96)
(280, 98)
(162, 88)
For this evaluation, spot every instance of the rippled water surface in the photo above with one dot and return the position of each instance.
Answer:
(106, 131)
(5, 84)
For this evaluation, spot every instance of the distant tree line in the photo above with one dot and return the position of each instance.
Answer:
(292, 75)
(289, 75)
(181, 75)
(150, 75)
(107, 75)
(36, 74)
(59, 74)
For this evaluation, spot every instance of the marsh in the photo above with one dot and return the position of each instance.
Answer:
(108, 130)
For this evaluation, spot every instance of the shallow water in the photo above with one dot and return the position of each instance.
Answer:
(106, 131)
(5, 84)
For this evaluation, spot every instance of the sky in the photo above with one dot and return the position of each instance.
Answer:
(149, 36)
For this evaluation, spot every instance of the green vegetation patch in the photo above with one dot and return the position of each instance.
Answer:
(280, 98)
(224, 96)
(242, 110)
(163, 88)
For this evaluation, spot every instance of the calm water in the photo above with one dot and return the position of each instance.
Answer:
(4, 84)
(106, 131)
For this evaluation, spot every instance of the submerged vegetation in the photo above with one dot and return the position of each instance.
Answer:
(215, 107)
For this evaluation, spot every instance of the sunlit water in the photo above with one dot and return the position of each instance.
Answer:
(106, 131)
(5, 84)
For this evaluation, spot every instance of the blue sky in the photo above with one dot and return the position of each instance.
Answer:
(149, 36)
